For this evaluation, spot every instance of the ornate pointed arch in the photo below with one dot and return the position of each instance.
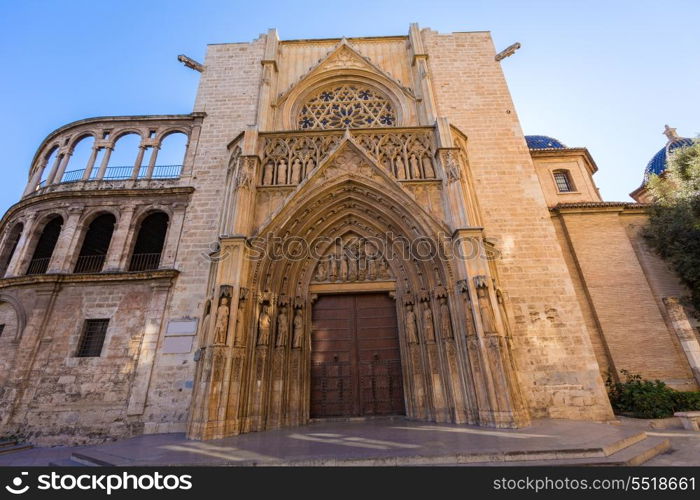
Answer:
(344, 66)
(347, 198)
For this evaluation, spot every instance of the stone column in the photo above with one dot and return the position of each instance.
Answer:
(62, 167)
(116, 255)
(172, 239)
(460, 202)
(218, 388)
(91, 163)
(60, 258)
(420, 65)
(22, 253)
(54, 168)
(216, 403)
(496, 387)
(35, 179)
(685, 333)
(21, 388)
(138, 162)
(105, 162)
(269, 72)
(152, 162)
(147, 340)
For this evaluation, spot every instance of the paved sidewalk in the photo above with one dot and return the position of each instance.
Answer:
(381, 442)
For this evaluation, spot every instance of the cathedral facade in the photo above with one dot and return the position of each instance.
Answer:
(358, 228)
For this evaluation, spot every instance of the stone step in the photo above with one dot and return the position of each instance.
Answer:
(67, 462)
(15, 447)
(633, 455)
(8, 442)
(631, 450)
(93, 458)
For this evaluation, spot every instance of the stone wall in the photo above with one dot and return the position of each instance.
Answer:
(622, 287)
(557, 367)
(228, 94)
(53, 397)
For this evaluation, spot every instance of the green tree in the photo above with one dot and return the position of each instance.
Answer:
(674, 223)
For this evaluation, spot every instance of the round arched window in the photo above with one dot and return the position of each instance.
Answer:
(346, 105)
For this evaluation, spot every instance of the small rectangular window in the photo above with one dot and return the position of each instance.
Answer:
(2, 327)
(93, 337)
(563, 182)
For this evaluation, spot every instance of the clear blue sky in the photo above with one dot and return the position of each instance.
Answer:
(602, 74)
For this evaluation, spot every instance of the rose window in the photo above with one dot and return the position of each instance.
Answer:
(346, 106)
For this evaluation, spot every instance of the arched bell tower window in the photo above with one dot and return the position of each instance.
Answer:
(346, 105)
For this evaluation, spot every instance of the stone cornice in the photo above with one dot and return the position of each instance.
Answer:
(599, 207)
(28, 201)
(312, 41)
(111, 277)
(559, 152)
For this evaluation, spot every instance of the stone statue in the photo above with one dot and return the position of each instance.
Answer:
(332, 267)
(445, 325)
(487, 319)
(264, 326)
(282, 328)
(298, 330)
(343, 274)
(222, 315)
(362, 266)
(296, 172)
(415, 167)
(411, 328)
(321, 271)
(282, 173)
(352, 267)
(267, 174)
(428, 168)
(383, 270)
(240, 331)
(428, 323)
(371, 267)
(400, 170)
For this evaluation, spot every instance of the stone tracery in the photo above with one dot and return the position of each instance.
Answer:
(346, 105)
(407, 154)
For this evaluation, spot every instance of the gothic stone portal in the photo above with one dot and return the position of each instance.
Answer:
(260, 368)
(355, 357)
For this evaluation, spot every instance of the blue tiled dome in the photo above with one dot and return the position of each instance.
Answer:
(657, 164)
(543, 142)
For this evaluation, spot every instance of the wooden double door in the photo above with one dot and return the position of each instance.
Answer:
(355, 357)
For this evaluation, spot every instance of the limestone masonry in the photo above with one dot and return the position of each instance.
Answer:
(358, 227)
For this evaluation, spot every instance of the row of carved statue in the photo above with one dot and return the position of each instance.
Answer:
(426, 316)
(345, 265)
(412, 318)
(265, 327)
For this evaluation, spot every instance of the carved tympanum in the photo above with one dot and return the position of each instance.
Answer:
(351, 258)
